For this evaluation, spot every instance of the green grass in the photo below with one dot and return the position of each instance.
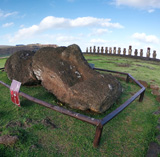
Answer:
(128, 134)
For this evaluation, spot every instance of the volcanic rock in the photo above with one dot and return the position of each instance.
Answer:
(154, 87)
(144, 83)
(64, 72)
(158, 98)
(19, 67)
(8, 140)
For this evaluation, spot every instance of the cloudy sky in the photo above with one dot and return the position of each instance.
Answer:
(109, 23)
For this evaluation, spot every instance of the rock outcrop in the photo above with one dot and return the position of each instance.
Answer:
(64, 72)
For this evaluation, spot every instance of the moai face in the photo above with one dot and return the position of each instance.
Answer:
(119, 50)
(102, 50)
(98, 50)
(87, 50)
(114, 51)
(148, 52)
(110, 50)
(136, 52)
(94, 49)
(141, 52)
(90, 49)
(124, 51)
(130, 50)
(106, 50)
(154, 54)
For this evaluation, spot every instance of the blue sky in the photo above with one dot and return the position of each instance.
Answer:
(87, 23)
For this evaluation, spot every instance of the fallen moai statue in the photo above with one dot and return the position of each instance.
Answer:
(64, 72)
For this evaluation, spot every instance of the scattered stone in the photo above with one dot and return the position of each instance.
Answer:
(158, 98)
(123, 65)
(155, 92)
(154, 150)
(154, 87)
(13, 124)
(47, 122)
(8, 140)
(144, 83)
(64, 72)
(158, 138)
(33, 147)
(156, 112)
(19, 67)
(148, 67)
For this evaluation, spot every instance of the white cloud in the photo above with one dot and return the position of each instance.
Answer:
(5, 15)
(151, 10)
(21, 26)
(8, 24)
(67, 39)
(142, 4)
(98, 42)
(100, 31)
(51, 22)
(146, 38)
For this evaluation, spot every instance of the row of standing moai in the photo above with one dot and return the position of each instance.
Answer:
(109, 51)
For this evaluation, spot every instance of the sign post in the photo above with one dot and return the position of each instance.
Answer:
(14, 91)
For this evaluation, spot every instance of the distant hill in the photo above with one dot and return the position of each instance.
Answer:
(6, 50)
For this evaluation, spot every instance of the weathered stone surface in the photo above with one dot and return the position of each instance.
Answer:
(155, 92)
(153, 150)
(19, 67)
(154, 87)
(158, 98)
(65, 73)
(8, 140)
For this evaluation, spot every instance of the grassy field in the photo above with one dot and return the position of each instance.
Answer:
(128, 134)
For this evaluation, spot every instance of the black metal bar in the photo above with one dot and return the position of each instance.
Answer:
(127, 79)
(122, 107)
(111, 71)
(137, 82)
(98, 134)
(2, 69)
(141, 96)
(58, 109)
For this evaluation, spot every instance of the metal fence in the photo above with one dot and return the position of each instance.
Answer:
(99, 123)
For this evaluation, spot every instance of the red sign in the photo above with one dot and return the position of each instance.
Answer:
(14, 90)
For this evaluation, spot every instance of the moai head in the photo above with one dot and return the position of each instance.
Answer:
(114, 50)
(148, 52)
(98, 49)
(136, 52)
(102, 50)
(87, 50)
(110, 50)
(106, 49)
(94, 49)
(141, 52)
(130, 50)
(119, 50)
(154, 54)
(90, 49)
(124, 51)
